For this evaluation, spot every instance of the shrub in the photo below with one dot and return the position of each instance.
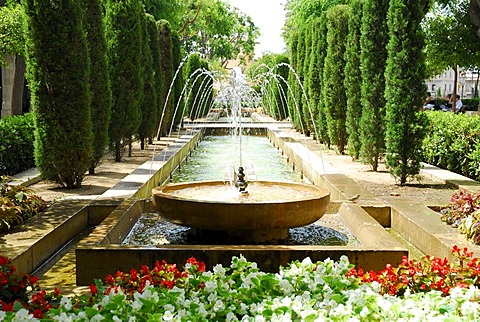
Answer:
(16, 144)
(453, 143)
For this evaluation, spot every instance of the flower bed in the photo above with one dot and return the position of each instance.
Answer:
(17, 204)
(415, 290)
(463, 212)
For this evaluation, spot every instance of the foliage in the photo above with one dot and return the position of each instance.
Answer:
(472, 103)
(149, 105)
(124, 42)
(326, 290)
(17, 204)
(12, 36)
(353, 80)
(101, 93)
(166, 97)
(426, 275)
(16, 144)
(404, 89)
(451, 37)
(163, 275)
(219, 31)
(334, 96)
(199, 97)
(453, 143)
(58, 75)
(373, 41)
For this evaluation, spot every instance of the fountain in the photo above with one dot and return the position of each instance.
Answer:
(263, 214)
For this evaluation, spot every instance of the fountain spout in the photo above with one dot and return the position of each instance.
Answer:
(240, 183)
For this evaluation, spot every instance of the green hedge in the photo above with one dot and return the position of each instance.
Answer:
(453, 143)
(16, 144)
(472, 103)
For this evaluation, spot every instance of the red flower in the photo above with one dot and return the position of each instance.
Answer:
(93, 289)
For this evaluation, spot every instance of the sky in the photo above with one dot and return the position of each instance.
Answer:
(269, 17)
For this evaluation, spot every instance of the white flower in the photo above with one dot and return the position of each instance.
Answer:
(286, 286)
(66, 302)
(23, 315)
(168, 316)
(96, 317)
(62, 317)
(219, 270)
(219, 305)
(116, 319)
(210, 286)
(365, 311)
(231, 316)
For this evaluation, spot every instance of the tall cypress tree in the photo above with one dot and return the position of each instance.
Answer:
(179, 81)
(405, 75)
(58, 74)
(317, 63)
(101, 93)
(293, 104)
(306, 108)
(192, 67)
(373, 57)
(280, 87)
(353, 79)
(167, 72)
(149, 104)
(334, 96)
(124, 40)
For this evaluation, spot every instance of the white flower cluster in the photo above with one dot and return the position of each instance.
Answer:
(300, 292)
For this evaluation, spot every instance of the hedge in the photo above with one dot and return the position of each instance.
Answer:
(453, 143)
(16, 144)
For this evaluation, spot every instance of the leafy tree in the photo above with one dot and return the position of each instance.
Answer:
(451, 39)
(58, 73)
(149, 105)
(353, 79)
(124, 41)
(101, 94)
(293, 109)
(404, 89)
(218, 31)
(373, 57)
(12, 37)
(334, 96)
(166, 97)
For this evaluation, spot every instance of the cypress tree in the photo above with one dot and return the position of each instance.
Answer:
(293, 104)
(58, 74)
(200, 93)
(157, 73)
(280, 87)
(405, 75)
(179, 81)
(373, 58)
(317, 63)
(306, 108)
(167, 73)
(353, 79)
(124, 42)
(299, 98)
(148, 107)
(101, 93)
(334, 96)
(192, 75)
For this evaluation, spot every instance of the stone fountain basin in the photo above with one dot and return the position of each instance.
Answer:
(265, 212)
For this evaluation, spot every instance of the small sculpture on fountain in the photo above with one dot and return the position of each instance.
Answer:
(241, 184)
